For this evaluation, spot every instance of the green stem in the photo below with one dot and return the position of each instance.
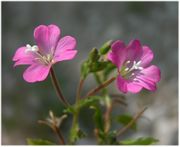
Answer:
(57, 87)
(75, 127)
(107, 114)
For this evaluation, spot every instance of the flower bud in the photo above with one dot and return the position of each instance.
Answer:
(105, 47)
(93, 55)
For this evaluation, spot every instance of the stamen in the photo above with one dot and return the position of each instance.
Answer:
(135, 79)
(44, 59)
(139, 62)
(126, 69)
(128, 61)
(140, 68)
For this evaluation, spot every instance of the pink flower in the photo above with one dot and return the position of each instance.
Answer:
(49, 50)
(134, 69)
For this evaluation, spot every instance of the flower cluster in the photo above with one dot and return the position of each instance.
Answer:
(134, 72)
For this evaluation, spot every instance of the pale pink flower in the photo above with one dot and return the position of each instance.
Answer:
(49, 50)
(134, 69)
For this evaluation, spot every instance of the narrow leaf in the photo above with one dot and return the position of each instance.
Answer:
(39, 142)
(89, 101)
(98, 119)
(125, 119)
(139, 141)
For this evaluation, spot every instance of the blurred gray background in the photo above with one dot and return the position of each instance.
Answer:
(92, 23)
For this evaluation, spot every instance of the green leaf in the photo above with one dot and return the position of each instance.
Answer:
(89, 101)
(139, 141)
(69, 109)
(39, 142)
(82, 103)
(98, 118)
(105, 47)
(125, 119)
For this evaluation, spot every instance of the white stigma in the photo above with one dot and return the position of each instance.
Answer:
(136, 65)
(30, 48)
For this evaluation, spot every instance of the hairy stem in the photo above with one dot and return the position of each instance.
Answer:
(75, 127)
(136, 117)
(58, 133)
(78, 94)
(107, 115)
(55, 130)
(103, 85)
(57, 87)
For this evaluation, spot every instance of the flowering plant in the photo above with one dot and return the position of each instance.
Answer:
(134, 72)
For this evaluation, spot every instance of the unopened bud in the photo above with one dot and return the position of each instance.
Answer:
(105, 47)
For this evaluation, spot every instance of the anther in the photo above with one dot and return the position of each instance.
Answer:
(140, 68)
(126, 69)
(128, 61)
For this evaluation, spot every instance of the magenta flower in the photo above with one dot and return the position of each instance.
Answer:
(134, 69)
(49, 50)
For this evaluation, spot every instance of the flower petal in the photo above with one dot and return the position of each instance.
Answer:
(149, 85)
(23, 61)
(147, 56)
(23, 58)
(118, 54)
(20, 53)
(36, 72)
(65, 43)
(66, 55)
(133, 87)
(121, 84)
(134, 50)
(47, 37)
(151, 73)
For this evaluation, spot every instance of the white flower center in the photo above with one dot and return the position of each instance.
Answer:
(44, 59)
(128, 71)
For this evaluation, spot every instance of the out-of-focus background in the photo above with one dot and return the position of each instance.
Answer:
(92, 23)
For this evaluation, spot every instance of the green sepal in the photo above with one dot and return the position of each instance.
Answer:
(109, 68)
(97, 66)
(93, 55)
(85, 69)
